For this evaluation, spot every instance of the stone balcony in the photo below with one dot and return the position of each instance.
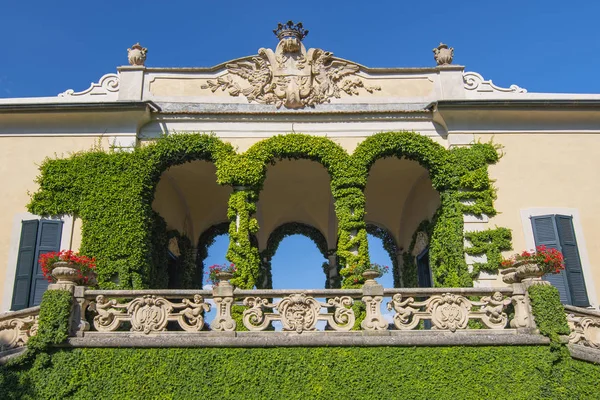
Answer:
(370, 316)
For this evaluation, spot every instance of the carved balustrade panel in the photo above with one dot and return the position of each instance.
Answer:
(148, 314)
(585, 327)
(298, 312)
(16, 328)
(449, 311)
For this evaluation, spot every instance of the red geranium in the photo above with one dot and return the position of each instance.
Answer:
(84, 265)
(213, 270)
(551, 261)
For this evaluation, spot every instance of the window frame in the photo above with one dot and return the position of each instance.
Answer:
(13, 252)
(527, 214)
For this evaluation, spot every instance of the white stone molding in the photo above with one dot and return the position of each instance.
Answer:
(586, 266)
(107, 85)
(474, 81)
(13, 252)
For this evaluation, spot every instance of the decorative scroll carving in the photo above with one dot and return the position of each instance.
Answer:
(449, 311)
(109, 83)
(585, 330)
(149, 314)
(298, 312)
(474, 81)
(291, 76)
(15, 332)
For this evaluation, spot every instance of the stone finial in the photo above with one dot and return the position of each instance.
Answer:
(137, 54)
(443, 55)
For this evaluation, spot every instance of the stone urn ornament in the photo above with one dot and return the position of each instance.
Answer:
(370, 275)
(443, 55)
(524, 270)
(137, 54)
(224, 277)
(65, 274)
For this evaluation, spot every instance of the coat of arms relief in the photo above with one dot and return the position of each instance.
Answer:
(290, 76)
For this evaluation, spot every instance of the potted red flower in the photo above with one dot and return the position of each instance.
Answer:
(532, 264)
(219, 273)
(66, 266)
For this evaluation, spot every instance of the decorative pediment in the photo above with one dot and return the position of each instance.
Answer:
(290, 76)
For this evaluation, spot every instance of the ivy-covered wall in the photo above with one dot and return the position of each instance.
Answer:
(112, 192)
(511, 372)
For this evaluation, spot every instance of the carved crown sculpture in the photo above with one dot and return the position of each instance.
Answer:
(290, 76)
(290, 30)
(443, 55)
(137, 54)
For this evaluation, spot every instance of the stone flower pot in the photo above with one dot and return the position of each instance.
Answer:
(224, 278)
(64, 273)
(521, 271)
(370, 275)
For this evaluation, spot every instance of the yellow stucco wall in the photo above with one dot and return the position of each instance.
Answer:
(19, 167)
(550, 170)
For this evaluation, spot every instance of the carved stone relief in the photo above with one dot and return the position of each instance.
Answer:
(15, 332)
(291, 76)
(298, 312)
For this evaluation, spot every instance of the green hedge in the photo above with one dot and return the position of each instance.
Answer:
(518, 372)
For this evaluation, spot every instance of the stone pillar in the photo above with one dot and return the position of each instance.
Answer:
(334, 278)
(131, 82)
(372, 297)
(223, 297)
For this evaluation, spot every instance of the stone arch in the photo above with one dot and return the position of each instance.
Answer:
(170, 151)
(275, 239)
(390, 246)
(205, 240)
(430, 155)
(322, 150)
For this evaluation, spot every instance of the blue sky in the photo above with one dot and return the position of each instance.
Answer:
(543, 46)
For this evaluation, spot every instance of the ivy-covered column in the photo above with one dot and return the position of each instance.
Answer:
(353, 247)
(241, 252)
(446, 250)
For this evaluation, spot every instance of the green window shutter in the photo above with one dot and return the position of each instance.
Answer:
(545, 233)
(25, 262)
(48, 240)
(573, 269)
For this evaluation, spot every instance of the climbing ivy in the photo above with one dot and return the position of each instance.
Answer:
(207, 239)
(112, 192)
(490, 242)
(390, 246)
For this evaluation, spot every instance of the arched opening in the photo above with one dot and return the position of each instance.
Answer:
(296, 198)
(190, 201)
(399, 196)
(298, 264)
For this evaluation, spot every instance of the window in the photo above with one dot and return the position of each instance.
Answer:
(556, 231)
(423, 269)
(37, 237)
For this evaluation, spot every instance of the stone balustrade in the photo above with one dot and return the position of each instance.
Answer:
(17, 327)
(585, 326)
(146, 312)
